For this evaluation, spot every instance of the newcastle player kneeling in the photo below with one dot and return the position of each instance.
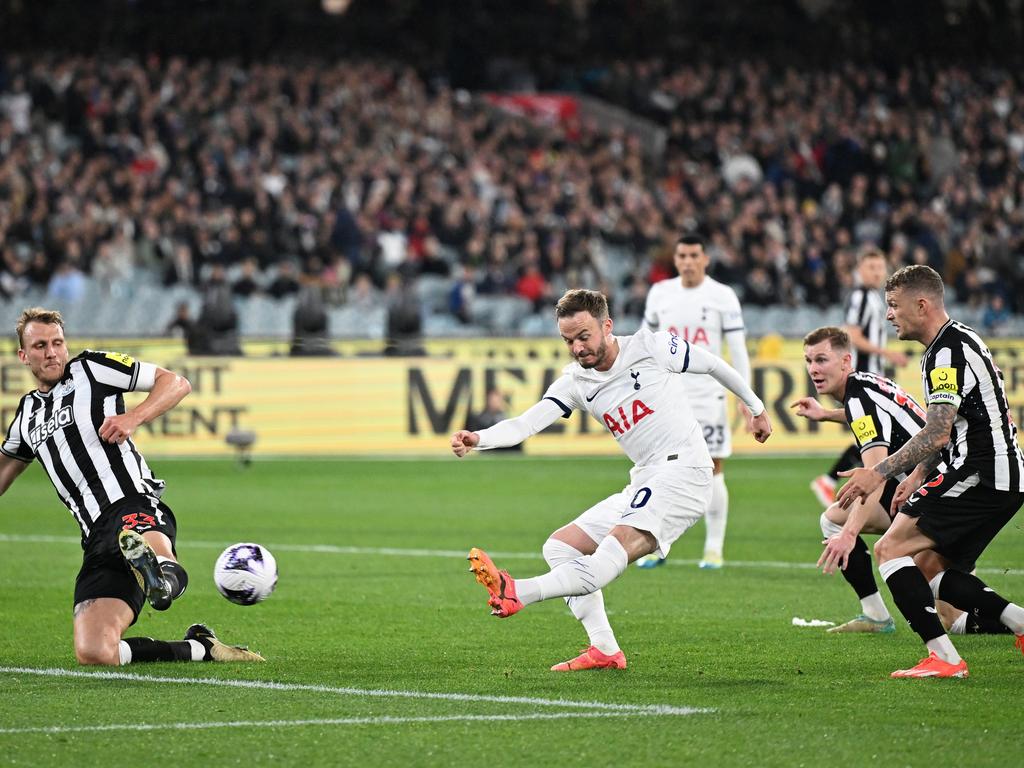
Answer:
(75, 423)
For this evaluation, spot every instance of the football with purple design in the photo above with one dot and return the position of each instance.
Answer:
(245, 573)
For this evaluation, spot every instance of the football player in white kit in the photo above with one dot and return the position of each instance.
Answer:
(704, 312)
(631, 384)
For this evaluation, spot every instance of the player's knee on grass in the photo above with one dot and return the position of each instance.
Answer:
(97, 651)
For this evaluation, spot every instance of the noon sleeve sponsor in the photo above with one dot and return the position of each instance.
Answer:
(864, 429)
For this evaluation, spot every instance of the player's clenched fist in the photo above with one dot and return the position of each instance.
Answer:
(761, 427)
(464, 441)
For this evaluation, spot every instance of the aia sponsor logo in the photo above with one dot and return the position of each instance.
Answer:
(696, 335)
(619, 424)
(58, 421)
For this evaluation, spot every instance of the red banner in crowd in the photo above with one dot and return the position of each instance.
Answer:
(547, 108)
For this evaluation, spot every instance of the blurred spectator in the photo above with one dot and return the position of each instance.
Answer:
(247, 283)
(405, 318)
(286, 282)
(532, 286)
(363, 296)
(14, 280)
(184, 326)
(996, 318)
(218, 321)
(68, 283)
(181, 269)
(310, 331)
(461, 295)
(760, 288)
(495, 410)
(636, 297)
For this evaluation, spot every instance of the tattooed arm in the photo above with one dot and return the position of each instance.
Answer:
(922, 448)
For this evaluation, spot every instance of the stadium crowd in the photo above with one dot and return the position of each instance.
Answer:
(344, 175)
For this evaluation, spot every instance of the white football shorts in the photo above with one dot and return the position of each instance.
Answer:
(714, 424)
(664, 499)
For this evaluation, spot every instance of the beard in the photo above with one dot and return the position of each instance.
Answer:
(599, 355)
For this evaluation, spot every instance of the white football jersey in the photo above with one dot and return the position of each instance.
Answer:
(641, 399)
(701, 315)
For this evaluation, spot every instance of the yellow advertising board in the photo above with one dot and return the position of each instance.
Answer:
(357, 404)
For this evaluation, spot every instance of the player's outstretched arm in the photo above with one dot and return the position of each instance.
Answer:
(810, 408)
(168, 390)
(10, 468)
(464, 441)
(702, 361)
(508, 432)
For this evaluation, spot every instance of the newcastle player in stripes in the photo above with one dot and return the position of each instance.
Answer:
(882, 418)
(76, 424)
(865, 324)
(966, 476)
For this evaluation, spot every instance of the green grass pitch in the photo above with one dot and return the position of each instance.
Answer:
(381, 651)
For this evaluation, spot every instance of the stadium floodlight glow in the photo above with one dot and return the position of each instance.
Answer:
(335, 7)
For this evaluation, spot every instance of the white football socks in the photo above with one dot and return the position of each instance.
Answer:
(717, 516)
(1013, 618)
(581, 576)
(943, 647)
(874, 608)
(588, 609)
(871, 606)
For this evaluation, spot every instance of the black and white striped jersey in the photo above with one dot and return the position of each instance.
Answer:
(880, 413)
(865, 309)
(957, 369)
(61, 429)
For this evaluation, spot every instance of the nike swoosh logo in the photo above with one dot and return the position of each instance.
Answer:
(593, 395)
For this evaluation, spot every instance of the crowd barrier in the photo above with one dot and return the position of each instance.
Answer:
(363, 404)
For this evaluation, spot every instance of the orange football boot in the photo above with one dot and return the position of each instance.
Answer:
(500, 586)
(933, 666)
(592, 659)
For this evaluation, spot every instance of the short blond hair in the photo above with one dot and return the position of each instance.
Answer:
(837, 337)
(37, 315)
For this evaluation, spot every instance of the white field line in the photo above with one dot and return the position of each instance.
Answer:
(578, 708)
(330, 549)
(382, 720)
